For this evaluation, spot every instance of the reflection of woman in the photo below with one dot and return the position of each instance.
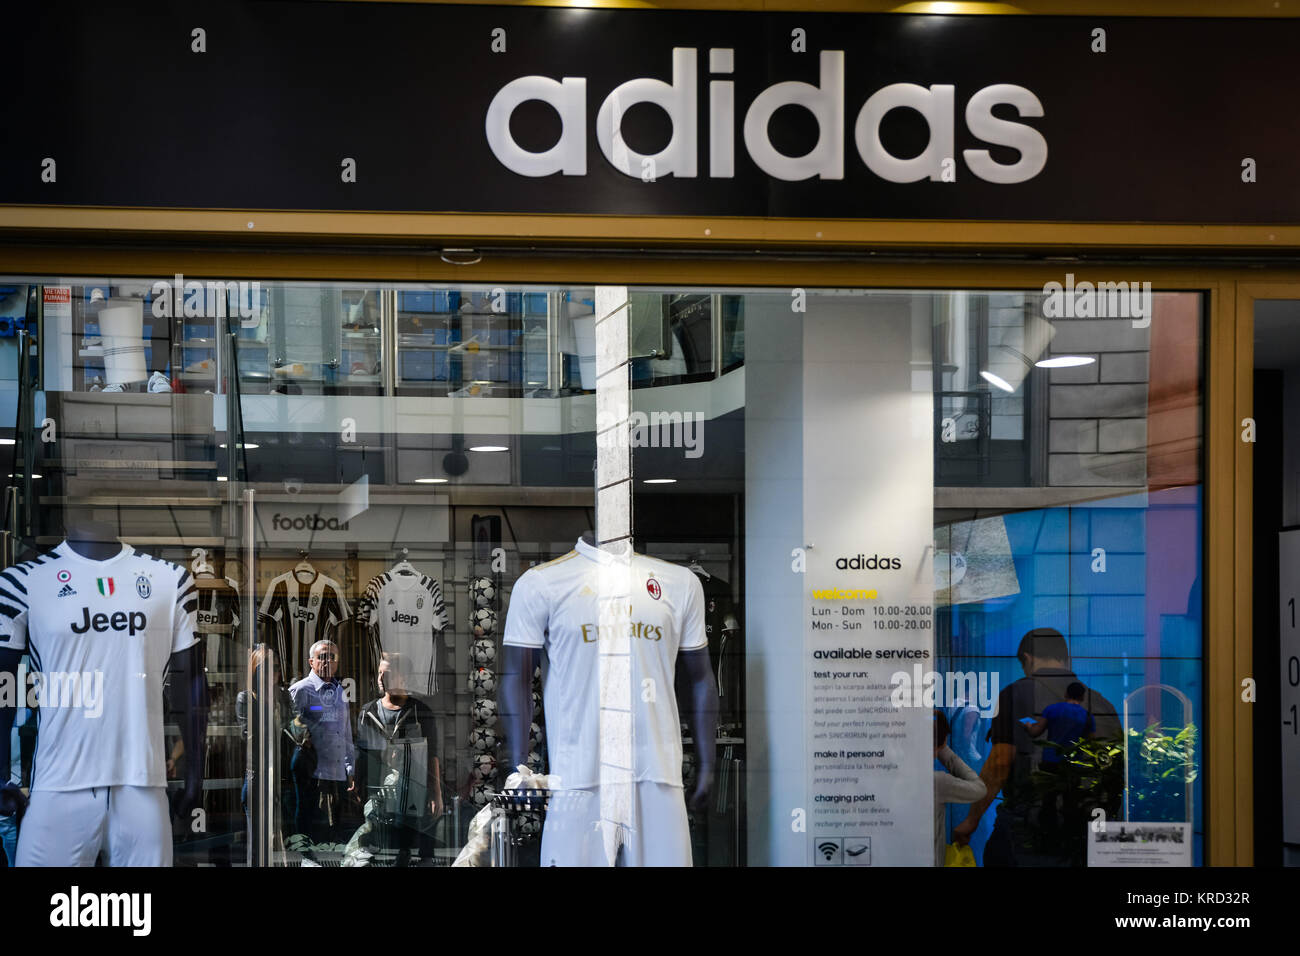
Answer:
(968, 728)
(964, 722)
(265, 698)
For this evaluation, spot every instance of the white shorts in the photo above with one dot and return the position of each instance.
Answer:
(130, 825)
(639, 824)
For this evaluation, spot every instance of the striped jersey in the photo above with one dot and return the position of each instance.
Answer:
(304, 602)
(218, 624)
(408, 611)
(219, 609)
(99, 635)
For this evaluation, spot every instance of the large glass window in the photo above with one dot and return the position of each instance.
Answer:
(833, 577)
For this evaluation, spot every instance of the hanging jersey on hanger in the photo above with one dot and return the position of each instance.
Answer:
(304, 609)
(726, 649)
(408, 611)
(218, 611)
(217, 624)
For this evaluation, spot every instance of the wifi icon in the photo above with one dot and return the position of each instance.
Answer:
(829, 852)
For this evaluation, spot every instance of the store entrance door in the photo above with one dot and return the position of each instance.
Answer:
(1276, 533)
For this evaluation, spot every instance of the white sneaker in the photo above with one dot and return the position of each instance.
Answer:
(158, 383)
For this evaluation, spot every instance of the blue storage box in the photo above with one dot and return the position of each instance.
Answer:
(415, 301)
(446, 301)
(416, 365)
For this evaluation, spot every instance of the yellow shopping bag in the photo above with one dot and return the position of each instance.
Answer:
(958, 855)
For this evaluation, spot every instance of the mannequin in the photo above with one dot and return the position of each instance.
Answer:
(516, 705)
(97, 541)
(93, 540)
(556, 604)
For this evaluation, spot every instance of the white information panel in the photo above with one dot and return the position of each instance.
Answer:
(868, 514)
(1289, 648)
(59, 362)
(1140, 844)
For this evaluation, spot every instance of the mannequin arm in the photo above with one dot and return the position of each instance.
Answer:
(11, 797)
(191, 698)
(516, 700)
(702, 708)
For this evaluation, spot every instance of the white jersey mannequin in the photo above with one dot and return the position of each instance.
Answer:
(614, 625)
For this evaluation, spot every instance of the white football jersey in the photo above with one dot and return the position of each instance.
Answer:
(408, 610)
(612, 627)
(99, 634)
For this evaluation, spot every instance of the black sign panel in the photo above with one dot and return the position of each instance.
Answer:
(266, 105)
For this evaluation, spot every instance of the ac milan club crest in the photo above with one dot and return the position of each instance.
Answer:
(652, 586)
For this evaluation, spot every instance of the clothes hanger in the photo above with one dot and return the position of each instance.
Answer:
(698, 568)
(304, 567)
(404, 566)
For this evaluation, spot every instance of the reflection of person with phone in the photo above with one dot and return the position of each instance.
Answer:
(1064, 723)
(1045, 658)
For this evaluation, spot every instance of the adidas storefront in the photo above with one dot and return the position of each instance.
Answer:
(686, 434)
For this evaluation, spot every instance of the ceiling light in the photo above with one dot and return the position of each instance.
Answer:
(1065, 361)
(489, 448)
(245, 445)
(430, 481)
(1001, 383)
(7, 441)
(660, 481)
(1013, 350)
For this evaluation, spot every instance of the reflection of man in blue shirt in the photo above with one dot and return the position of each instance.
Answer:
(1065, 722)
(13, 775)
(328, 757)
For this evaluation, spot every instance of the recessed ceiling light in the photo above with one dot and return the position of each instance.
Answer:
(34, 476)
(6, 441)
(660, 481)
(1065, 361)
(489, 448)
(430, 481)
(245, 445)
(996, 380)
(222, 478)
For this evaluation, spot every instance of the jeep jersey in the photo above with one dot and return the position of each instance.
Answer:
(218, 625)
(303, 606)
(408, 610)
(652, 610)
(100, 634)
